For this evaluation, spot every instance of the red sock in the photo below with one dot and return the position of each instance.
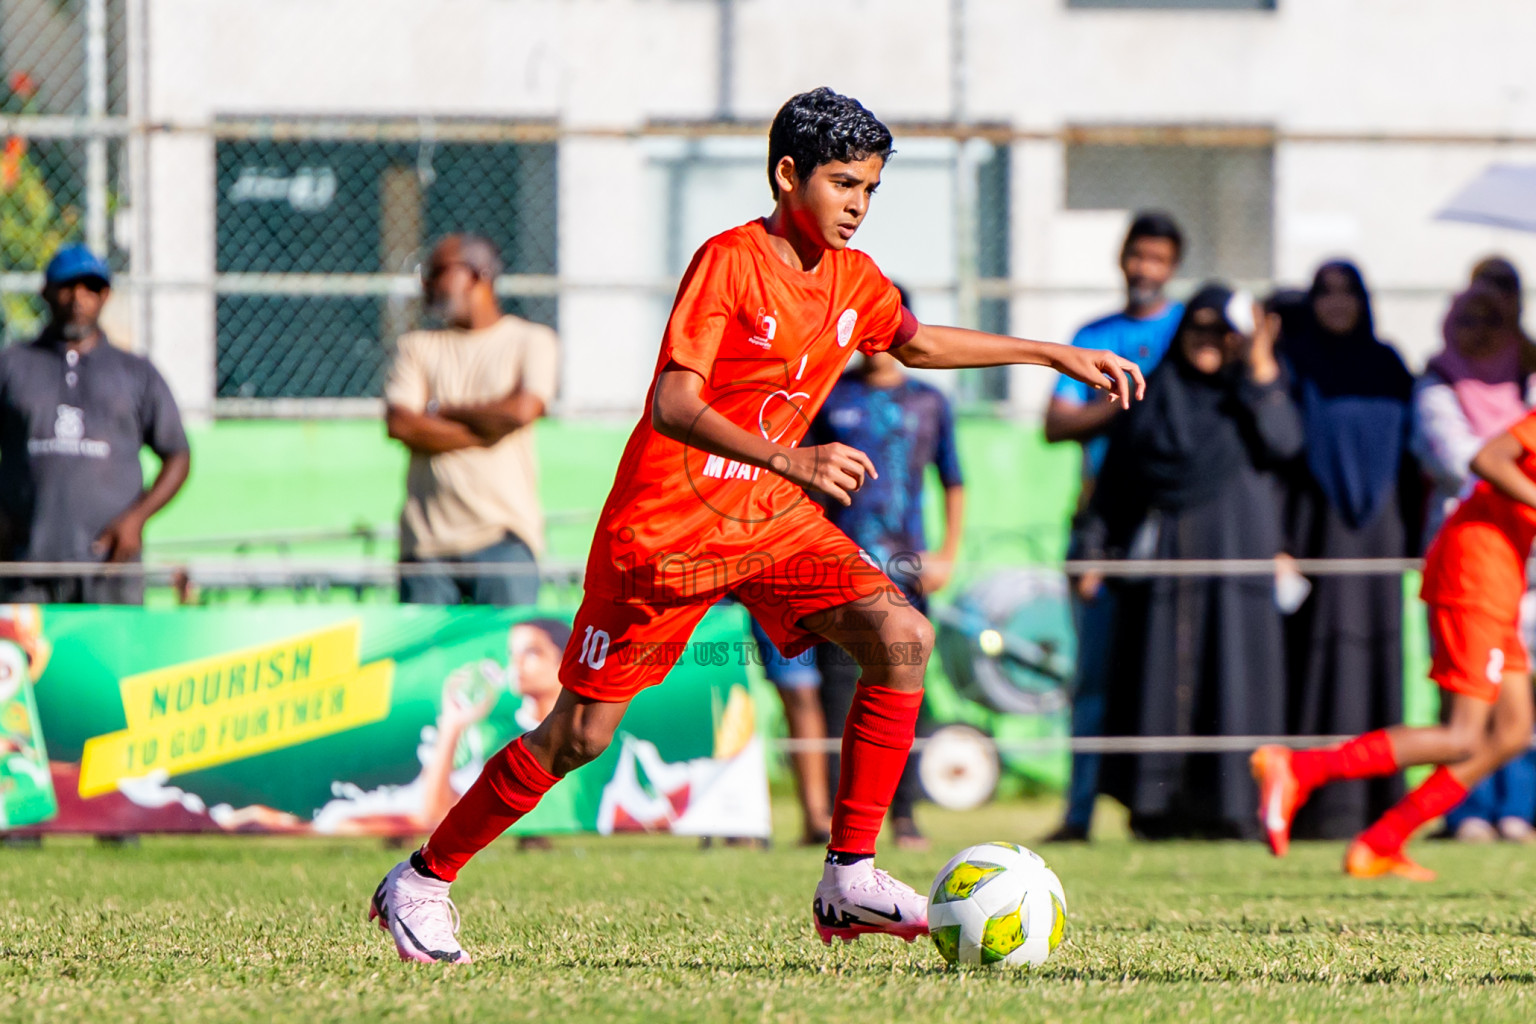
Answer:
(876, 741)
(1438, 794)
(1363, 757)
(508, 787)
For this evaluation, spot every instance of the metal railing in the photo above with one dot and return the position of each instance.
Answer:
(1097, 744)
(160, 569)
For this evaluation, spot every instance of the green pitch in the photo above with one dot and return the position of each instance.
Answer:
(228, 929)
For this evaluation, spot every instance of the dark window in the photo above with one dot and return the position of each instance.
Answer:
(326, 207)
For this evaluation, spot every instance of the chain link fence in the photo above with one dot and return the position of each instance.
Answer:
(319, 243)
(308, 233)
(320, 226)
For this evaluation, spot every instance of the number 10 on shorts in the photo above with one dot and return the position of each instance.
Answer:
(594, 648)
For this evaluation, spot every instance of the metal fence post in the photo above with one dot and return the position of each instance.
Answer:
(96, 109)
(967, 298)
(136, 146)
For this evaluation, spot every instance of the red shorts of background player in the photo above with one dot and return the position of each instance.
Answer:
(620, 644)
(1472, 649)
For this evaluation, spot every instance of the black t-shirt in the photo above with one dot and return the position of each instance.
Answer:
(71, 426)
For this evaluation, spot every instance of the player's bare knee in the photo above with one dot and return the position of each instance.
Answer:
(585, 743)
(588, 743)
(925, 637)
(908, 637)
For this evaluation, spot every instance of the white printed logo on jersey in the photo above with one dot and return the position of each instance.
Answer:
(69, 437)
(1495, 666)
(845, 326)
(778, 413)
(764, 330)
(69, 423)
(718, 468)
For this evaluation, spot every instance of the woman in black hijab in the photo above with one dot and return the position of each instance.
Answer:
(1357, 493)
(1193, 472)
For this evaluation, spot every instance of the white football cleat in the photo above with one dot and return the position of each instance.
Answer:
(418, 915)
(859, 899)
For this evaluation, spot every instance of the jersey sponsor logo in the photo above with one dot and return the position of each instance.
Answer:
(719, 468)
(69, 437)
(845, 326)
(764, 330)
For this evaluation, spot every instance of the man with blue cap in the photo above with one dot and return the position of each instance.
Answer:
(74, 413)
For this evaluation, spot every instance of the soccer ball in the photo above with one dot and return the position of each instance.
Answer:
(996, 903)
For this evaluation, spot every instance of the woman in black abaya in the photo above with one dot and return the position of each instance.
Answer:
(1357, 493)
(1192, 473)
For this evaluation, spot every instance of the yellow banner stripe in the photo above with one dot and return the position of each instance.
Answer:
(223, 732)
(247, 677)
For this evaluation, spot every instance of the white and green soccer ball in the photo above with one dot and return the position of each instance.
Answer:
(996, 903)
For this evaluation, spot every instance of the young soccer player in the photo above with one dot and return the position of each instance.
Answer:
(708, 500)
(1474, 578)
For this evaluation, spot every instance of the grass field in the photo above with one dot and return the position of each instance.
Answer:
(227, 929)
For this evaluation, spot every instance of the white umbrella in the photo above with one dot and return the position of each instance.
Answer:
(1504, 196)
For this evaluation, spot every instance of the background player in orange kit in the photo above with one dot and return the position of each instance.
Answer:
(708, 501)
(1474, 578)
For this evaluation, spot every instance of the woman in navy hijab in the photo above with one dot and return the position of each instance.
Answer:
(1356, 493)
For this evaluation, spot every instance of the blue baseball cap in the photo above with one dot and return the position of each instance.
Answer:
(76, 263)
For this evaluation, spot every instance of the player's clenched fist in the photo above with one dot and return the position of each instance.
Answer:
(1103, 370)
(833, 469)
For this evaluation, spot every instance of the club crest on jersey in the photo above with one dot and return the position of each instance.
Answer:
(69, 423)
(764, 329)
(845, 326)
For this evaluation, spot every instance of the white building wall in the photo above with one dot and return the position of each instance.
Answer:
(1394, 74)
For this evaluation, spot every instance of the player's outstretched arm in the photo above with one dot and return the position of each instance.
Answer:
(953, 348)
(1499, 464)
(678, 411)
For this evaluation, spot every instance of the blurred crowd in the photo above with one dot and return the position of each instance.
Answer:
(1274, 430)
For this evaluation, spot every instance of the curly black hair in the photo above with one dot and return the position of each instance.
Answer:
(821, 126)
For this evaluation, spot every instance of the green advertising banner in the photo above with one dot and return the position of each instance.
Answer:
(346, 720)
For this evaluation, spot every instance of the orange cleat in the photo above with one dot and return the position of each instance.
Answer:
(1279, 795)
(1363, 862)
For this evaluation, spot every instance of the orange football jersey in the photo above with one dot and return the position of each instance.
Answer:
(770, 341)
(1478, 558)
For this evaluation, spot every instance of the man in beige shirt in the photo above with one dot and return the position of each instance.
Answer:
(463, 399)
